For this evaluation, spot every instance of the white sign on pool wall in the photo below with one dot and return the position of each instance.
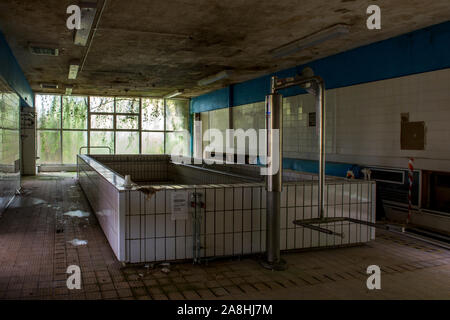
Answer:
(179, 205)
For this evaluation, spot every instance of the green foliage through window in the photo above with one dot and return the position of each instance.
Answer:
(125, 125)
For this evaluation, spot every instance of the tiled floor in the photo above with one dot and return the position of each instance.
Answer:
(35, 253)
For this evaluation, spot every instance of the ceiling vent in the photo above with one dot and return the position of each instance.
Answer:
(49, 86)
(43, 50)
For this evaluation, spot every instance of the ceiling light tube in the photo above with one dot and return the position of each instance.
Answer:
(73, 69)
(88, 10)
(174, 94)
(49, 86)
(310, 41)
(69, 90)
(211, 79)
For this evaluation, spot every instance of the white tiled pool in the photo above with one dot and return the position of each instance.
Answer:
(178, 212)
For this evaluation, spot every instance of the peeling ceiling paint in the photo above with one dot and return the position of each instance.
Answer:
(151, 48)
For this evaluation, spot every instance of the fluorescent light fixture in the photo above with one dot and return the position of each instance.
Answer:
(174, 94)
(218, 76)
(49, 86)
(88, 10)
(73, 69)
(43, 49)
(310, 41)
(69, 90)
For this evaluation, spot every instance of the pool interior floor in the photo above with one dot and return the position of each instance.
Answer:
(36, 247)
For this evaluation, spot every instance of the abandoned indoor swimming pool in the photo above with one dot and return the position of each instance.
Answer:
(208, 149)
(222, 213)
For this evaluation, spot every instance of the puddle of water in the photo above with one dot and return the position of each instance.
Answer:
(21, 202)
(77, 213)
(76, 242)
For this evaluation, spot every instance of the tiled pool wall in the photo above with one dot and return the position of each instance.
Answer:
(233, 220)
(149, 169)
(105, 199)
(255, 172)
(140, 228)
(140, 167)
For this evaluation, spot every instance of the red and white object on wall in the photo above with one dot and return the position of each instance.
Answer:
(411, 180)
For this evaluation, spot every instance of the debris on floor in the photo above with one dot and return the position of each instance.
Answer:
(76, 242)
(21, 202)
(77, 214)
(165, 270)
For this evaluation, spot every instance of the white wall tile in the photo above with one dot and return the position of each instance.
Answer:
(283, 238)
(210, 222)
(247, 220)
(220, 244)
(135, 227)
(219, 221)
(283, 217)
(189, 247)
(256, 241)
(237, 243)
(160, 201)
(180, 247)
(160, 249)
(256, 220)
(291, 196)
(209, 245)
(256, 197)
(160, 225)
(170, 226)
(247, 243)
(299, 237)
(229, 243)
(135, 251)
(237, 223)
(150, 250)
(290, 238)
(229, 199)
(220, 194)
(238, 198)
(210, 194)
(229, 221)
(314, 238)
(149, 226)
(180, 227)
(247, 200)
(170, 248)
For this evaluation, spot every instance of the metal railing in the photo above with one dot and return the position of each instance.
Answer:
(95, 147)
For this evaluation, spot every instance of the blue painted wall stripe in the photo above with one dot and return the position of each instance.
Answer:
(211, 101)
(331, 168)
(420, 51)
(11, 72)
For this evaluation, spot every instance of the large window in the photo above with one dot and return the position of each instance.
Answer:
(123, 125)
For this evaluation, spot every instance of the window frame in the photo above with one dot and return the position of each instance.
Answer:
(114, 129)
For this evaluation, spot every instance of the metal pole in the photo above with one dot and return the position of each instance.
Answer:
(274, 180)
(318, 90)
(320, 100)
